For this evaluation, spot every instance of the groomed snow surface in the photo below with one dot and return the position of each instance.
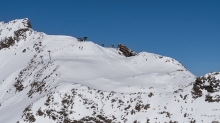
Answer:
(52, 78)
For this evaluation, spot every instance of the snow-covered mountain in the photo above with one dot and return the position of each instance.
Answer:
(53, 78)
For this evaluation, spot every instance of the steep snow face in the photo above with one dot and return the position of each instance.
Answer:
(105, 69)
(16, 37)
(48, 78)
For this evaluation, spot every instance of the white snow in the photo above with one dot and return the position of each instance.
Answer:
(88, 67)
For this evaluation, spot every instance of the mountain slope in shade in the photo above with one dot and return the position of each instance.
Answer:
(52, 78)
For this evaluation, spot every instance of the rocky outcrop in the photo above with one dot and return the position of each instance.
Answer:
(6, 42)
(209, 84)
(28, 24)
(21, 33)
(14, 31)
(126, 51)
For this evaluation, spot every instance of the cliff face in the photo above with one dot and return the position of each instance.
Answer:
(46, 78)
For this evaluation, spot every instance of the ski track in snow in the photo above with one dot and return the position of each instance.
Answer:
(109, 64)
(123, 63)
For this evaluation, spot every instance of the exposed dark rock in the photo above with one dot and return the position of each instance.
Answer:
(7, 42)
(150, 94)
(126, 51)
(210, 84)
(24, 51)
(210, 98)
(167, 113)
(29, 24)
(196, 90)
(21, 33)
(28, 115)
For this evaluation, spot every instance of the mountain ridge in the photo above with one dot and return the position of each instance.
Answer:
(48, 78)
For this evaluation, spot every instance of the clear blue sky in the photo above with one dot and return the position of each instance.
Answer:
(187, 30)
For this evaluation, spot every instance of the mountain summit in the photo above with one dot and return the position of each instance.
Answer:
(53, 78)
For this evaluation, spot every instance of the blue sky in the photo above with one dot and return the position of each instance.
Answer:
(186, 30)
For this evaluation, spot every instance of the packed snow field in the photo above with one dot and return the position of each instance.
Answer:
(54, 78)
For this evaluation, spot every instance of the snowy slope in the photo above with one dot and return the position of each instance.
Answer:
(84, 82)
